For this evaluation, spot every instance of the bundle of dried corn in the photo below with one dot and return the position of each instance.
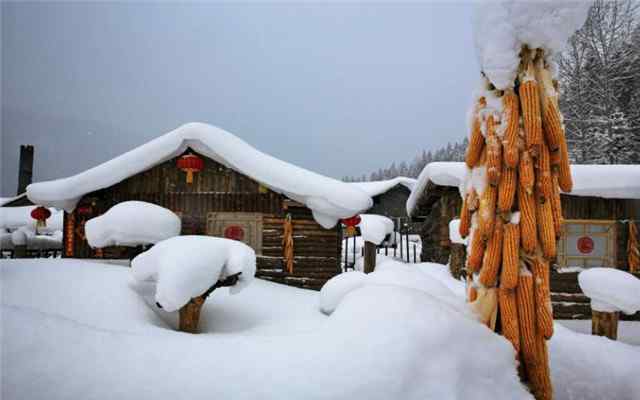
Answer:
(518, 160)
(633, 249)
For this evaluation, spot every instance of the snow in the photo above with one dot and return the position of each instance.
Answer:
(81, 329)
(606, 181)
(16, 217)
(454, 232)
(334, 290)
(17, 228)
(375, 188)
(440, 173)
(374, 228)
(267, 342)
(611, 290)
(329, 199)
(132, 223)
(502, 28)
(184, 267)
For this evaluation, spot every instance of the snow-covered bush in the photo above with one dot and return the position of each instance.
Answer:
(132, 223)
(184, 267)
(611, 290)
(375, 228)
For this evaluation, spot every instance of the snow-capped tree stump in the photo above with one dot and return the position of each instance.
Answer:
(605, 324)
(369, 257)
(190, 312)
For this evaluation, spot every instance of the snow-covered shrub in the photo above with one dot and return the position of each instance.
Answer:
(184, 267)
(611, 289)
(132, 223)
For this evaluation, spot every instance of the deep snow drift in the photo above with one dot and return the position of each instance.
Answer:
(78, 329)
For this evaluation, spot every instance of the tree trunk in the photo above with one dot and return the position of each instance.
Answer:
(605, 324)
(190, 315)
(369, 257)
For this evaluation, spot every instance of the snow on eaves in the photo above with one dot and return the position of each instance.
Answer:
(375, 188)
(329, 199)
(440, 173)
(607, 181)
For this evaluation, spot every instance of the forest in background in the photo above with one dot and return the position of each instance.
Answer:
(599, 77)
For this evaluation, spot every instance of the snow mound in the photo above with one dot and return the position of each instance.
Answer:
(334, 290)
(184, 267)
(607, 181)
(454, 232)
(375, 228)
(132, 223)
(329, 199)
(611, 290)
(502, 28)
(375, 188)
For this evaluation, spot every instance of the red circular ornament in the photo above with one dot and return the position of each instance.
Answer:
(40, 213)
(190, 162)
(585, 245)
(234, 232)
(351, 221)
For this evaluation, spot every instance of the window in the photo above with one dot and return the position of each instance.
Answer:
(587, 243)
(242, 226)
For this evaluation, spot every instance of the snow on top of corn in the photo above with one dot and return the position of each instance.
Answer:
(501, 28)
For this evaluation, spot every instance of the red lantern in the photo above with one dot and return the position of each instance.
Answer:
(40, 214)
(351, 224)
(190, 163)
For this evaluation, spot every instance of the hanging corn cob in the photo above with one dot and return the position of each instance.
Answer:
(518, 170)
(633, 251)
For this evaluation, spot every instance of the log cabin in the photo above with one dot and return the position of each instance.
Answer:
(604, 201)
(221, 186)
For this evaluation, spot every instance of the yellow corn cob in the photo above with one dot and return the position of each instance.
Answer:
(546, 232)
(474, 259)
(543, 175)
(512, 114)
(528, 228)
(544, 312)
(492, 256)
(527, 325)
(472, 294)
(476, 141)
(530, 105)
(556, 205)
(487, 212)
(494, 154)
(552, 123)
(564, 169)
(465, 218)
(473, 200)
(555, 159)
(541, 375)
(507, 190)
(509, 316)
(526, 173)
(633, 251)
(510, 251)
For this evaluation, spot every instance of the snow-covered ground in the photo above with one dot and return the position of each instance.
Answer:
(80, 329)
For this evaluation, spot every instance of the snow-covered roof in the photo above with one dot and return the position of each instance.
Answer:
(606, 181)
(6, 200)
(375, 188)
(329, 199)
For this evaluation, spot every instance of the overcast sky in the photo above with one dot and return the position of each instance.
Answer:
(340, 89)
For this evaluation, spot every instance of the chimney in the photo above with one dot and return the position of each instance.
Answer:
(25, 169)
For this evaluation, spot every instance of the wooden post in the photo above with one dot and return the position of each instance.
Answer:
(20, 251)
(369, 257)
(605, 324)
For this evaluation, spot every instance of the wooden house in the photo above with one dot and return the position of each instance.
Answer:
(605, 199)
(236, 192)
(389, 196)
